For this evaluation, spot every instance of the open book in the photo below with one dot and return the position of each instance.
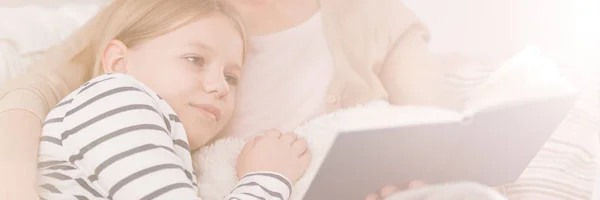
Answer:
(505, 124)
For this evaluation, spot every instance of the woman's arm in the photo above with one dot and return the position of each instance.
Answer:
(24, 103)
(19, 136)
(21, 113)
(408, 72)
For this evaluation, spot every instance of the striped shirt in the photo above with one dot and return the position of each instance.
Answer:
(114, 138)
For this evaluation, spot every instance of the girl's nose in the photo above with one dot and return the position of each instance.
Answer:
(216, 83)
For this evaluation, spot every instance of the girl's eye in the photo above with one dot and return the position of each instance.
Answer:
(232, 80)
(196, 60)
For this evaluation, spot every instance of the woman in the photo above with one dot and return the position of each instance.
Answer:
(314, 56)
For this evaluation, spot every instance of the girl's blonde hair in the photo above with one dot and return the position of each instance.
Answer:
(131, 22)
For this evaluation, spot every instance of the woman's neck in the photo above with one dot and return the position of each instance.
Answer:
(275, 16)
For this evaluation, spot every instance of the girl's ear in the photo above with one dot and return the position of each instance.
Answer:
(113, 58)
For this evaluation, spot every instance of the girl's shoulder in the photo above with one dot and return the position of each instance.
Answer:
(115, 79)
(107, 99)
(113, 83)
(110, 90)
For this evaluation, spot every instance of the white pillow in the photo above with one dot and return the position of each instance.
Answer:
(12, 62)
(33, 29)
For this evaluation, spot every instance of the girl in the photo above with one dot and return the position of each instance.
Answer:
(171, 73)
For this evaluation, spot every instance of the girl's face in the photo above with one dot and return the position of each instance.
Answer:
(194, 68)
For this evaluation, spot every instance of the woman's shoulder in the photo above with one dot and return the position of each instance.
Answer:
(386, 9)
(391, 15)
(26, 93)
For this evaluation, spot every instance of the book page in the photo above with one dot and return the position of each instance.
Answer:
(527, 76)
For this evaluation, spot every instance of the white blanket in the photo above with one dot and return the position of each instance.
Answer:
(216, 162)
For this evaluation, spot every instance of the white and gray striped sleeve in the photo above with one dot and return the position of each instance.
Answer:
(262, 186)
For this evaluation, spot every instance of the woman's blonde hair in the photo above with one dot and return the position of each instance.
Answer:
(131, 22)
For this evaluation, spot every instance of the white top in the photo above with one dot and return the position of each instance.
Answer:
(285, 79)
(114, 138)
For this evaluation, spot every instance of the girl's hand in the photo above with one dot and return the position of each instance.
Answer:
(277, 152)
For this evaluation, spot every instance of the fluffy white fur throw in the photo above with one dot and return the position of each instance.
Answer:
(215, 164)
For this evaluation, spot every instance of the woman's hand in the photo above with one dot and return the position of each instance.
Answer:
(392, 189)
(277, 152)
